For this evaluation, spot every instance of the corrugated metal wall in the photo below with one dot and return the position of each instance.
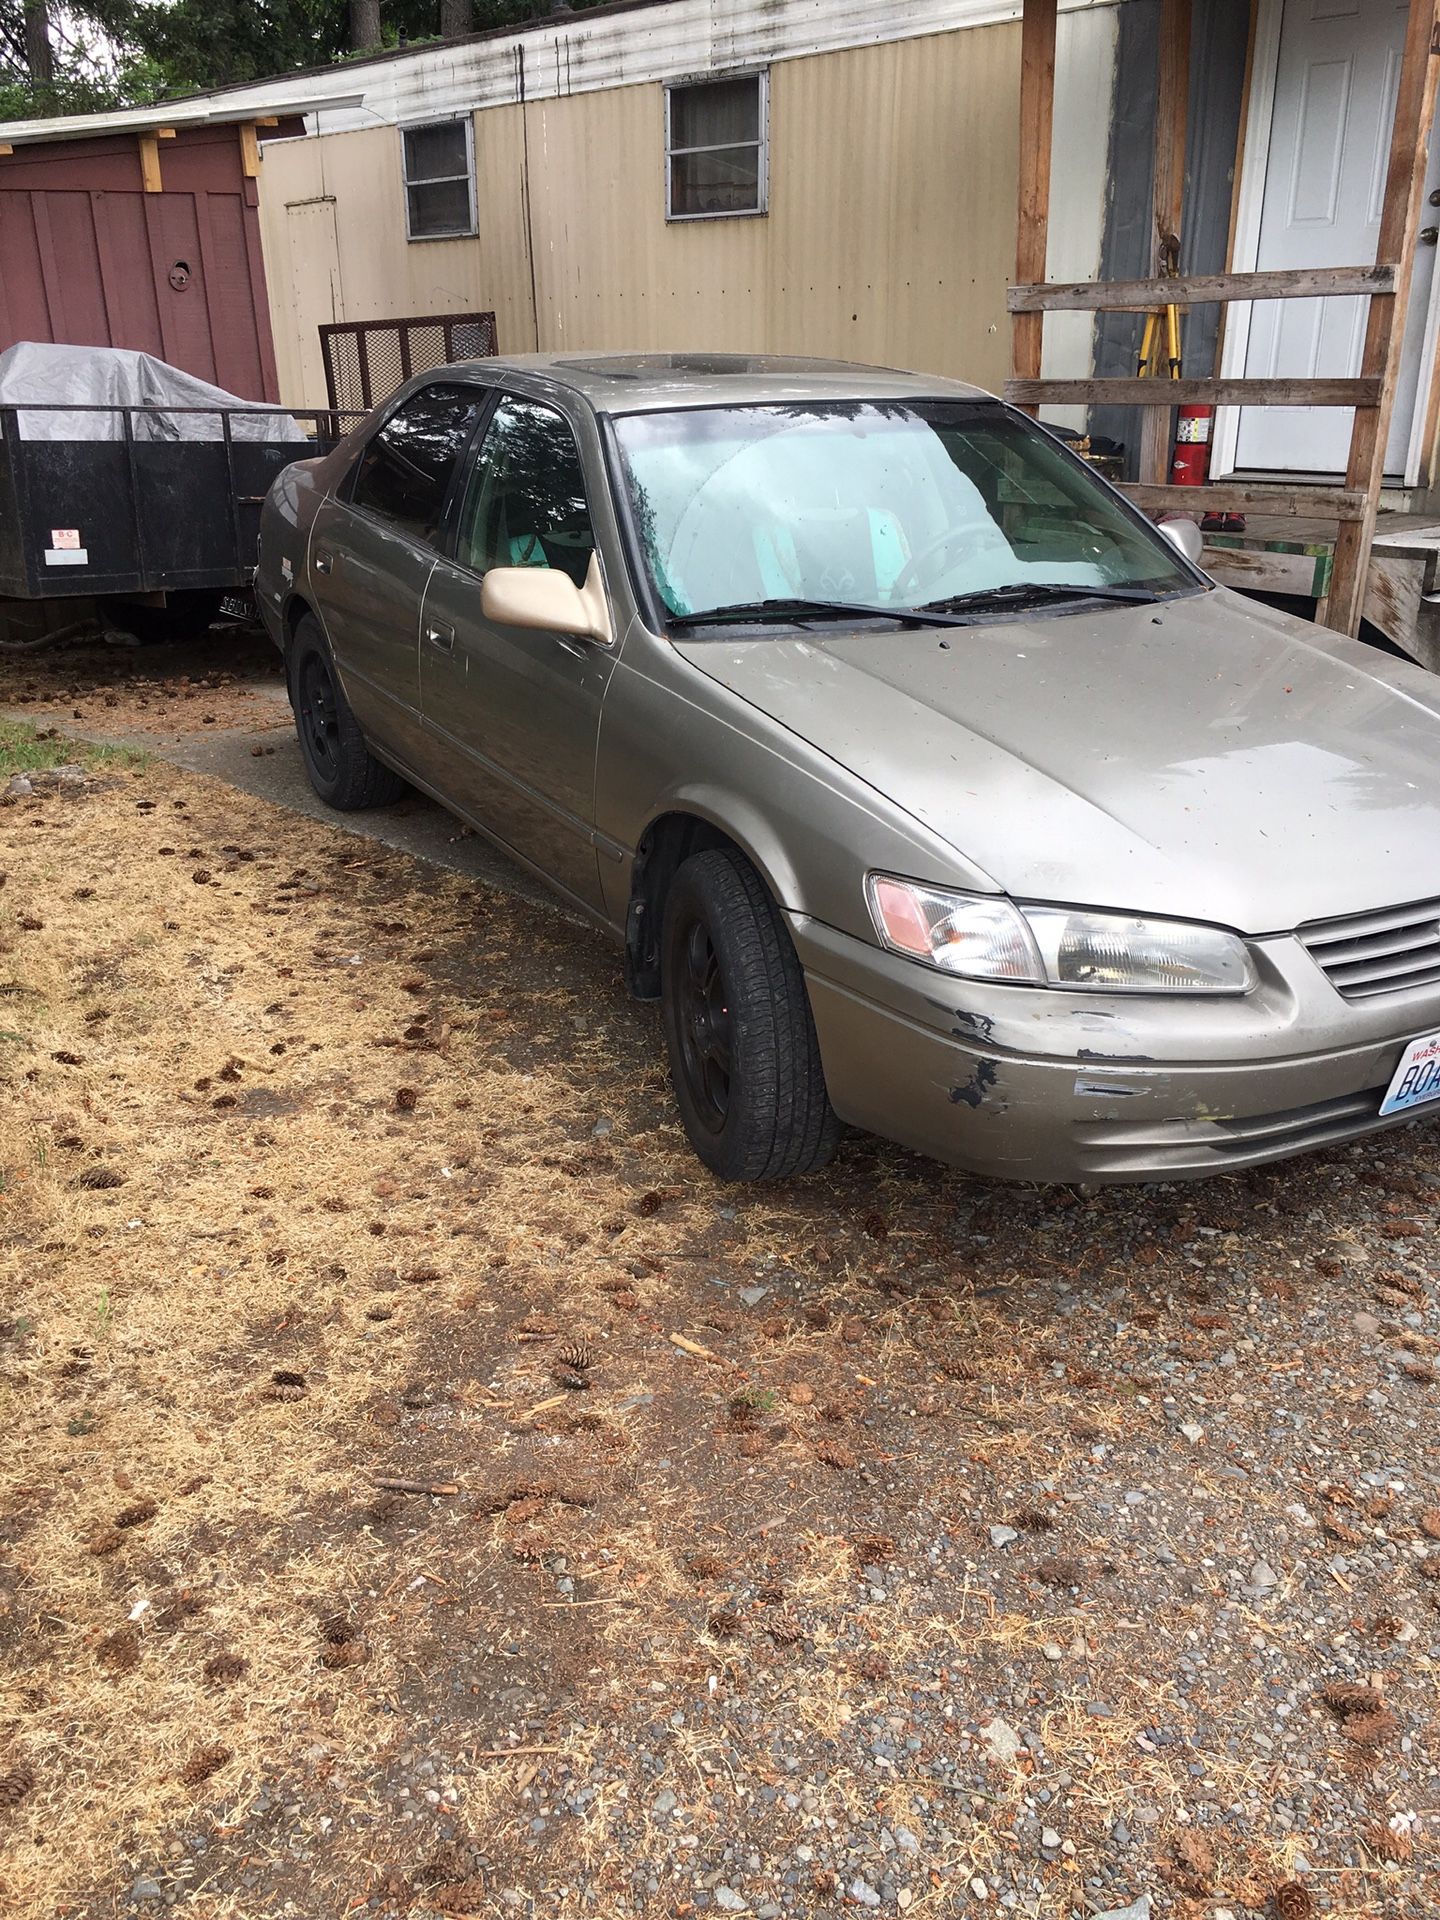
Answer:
(890, 234)
(86, 255)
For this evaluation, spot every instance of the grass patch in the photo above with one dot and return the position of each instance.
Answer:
(26, 749)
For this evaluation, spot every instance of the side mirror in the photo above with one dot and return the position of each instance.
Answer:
(547, 601)
(1185, 535)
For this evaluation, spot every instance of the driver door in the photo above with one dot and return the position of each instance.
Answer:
(513, 714)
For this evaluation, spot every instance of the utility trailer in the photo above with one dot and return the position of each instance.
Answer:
(130, 490)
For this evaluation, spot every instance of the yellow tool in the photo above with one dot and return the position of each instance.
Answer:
(1150, 361)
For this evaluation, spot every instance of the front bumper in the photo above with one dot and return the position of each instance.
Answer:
(1026, 1084)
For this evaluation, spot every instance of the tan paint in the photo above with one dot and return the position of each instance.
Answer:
(890, 235)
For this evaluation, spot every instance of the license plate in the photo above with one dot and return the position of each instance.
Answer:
(1416, 1080)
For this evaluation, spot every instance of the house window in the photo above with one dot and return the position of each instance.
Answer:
(439, 180)
(716, 159)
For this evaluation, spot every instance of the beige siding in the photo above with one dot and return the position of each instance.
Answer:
(890, 234)
(365, 268)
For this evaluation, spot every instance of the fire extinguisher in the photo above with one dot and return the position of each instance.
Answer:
(1191, 464)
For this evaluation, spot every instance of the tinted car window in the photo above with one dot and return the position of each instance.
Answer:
(525, 501)
(404, 472)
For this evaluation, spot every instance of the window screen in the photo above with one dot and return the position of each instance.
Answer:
(525, 503)
(404, 473)
(439, 180)
(716, 160)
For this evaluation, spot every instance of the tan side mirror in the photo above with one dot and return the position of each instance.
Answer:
(1185, 535)
(548, 601)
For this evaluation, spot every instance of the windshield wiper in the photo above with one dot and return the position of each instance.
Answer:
(797, 609)
(1021, 593)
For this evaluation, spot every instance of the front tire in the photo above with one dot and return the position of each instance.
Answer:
(744, 1060)
(342, 769)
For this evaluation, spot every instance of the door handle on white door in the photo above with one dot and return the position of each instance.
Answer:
(440, 636)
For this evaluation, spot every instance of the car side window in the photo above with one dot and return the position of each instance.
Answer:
(404, 473)
(524, 502)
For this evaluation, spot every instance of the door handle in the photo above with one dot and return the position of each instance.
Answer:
(441, 637)
(324, 560)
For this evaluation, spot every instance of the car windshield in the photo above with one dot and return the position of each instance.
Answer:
(877, 504)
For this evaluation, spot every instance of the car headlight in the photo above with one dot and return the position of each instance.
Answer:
(982, 937)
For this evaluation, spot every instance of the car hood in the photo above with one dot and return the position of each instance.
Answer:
(1208, 758)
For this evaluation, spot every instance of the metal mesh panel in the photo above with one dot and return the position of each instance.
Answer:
(366, 360)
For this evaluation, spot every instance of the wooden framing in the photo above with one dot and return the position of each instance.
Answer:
(249, 150)
(1371, 393)
(150, 163)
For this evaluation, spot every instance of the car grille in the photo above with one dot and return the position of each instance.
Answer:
(1171, 1147)
(1374, 953)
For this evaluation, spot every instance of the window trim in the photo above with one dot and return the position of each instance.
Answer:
(761, 145)
(467, 121)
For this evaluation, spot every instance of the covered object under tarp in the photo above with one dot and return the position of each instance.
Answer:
(122, 476)
(46, 376)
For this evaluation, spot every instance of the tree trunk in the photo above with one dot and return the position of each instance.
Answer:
(364, 25)
(456, 17)
(38, 57)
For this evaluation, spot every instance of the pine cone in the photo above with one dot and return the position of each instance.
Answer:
(1371, 1729)
(16, 1785)
(203, 1762)
(1195, 1858)
(137, 1515)
(1035, 1520)
(287, 1377)
(222, 1668)
(1292, 1900)
(1389, 1843)
(567, 1377)
(724, 1623)
(784, 1629)
(1060, 1570)
(1430, 1523)
(1347, 1536)
(834, 1453)
(578, 1356)
(462, 1896)
(108, 1540)
(1346, 1698)
(120, 1651)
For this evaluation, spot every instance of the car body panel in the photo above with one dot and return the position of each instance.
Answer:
(1205, 758)
(1251, 775)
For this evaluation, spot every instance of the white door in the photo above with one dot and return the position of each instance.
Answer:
(1336, 81)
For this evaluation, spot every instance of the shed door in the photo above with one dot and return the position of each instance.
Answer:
(1335, 86)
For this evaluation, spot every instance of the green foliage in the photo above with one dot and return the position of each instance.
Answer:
(110, 53)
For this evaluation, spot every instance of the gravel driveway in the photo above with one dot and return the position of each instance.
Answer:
(887, 1542)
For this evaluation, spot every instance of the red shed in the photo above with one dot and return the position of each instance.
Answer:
(140, 229)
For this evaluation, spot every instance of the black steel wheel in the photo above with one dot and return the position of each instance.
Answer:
(342, 769)
(744, 1060)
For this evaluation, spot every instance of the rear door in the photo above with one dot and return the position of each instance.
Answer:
(371, 550)
(514, 715)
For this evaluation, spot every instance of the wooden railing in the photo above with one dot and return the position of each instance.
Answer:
(1371, 392)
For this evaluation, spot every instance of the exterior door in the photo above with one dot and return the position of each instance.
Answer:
(514, 715)
(371, 550)
(1336, 82)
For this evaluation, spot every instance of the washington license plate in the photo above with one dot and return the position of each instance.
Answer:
(1416, 1080)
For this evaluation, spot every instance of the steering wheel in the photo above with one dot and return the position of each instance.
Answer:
(907, 578)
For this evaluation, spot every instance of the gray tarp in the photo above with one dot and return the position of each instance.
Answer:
(97, 376)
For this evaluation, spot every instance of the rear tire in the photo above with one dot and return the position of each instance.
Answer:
(744, 1060)
(342, 769)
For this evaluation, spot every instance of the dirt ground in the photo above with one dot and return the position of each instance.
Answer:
(887, 1541)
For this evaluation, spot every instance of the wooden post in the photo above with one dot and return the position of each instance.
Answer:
(249, 150)
(1172, 101)
(1385, 328)
(1037, 118)
(150, 163)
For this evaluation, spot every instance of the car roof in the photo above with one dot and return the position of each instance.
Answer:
(632, 382)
